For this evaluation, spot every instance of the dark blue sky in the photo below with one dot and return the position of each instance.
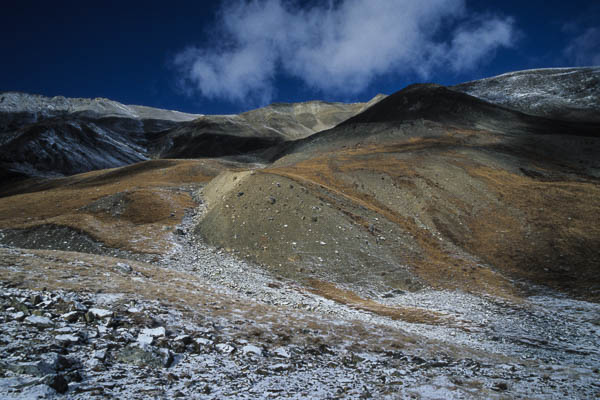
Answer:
(125, 50)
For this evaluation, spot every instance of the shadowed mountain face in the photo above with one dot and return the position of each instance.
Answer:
(42, 136)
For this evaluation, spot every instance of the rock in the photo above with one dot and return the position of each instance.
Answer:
(18, 316)
(67, 339)
(154, 332)
(185, 339)
(280, 367)
(39, 321)
(125, 268)
(145, 340)
(500, 387)
(50, 363)
(35, 299)
(95, 365)
(203, 342)
(225, 348)
(272, 200)
(145, 357)
(100, 354)
(58, 383)
(71, 316)
(281, 352)
(252, 350)
(100, 313)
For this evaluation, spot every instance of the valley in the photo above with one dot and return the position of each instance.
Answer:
(434, 243)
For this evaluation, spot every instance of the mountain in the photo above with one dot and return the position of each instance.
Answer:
(41, 136)
(561, 93)
(430, 187)
(434, 243)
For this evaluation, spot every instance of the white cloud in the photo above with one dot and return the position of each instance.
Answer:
(584, 50)
(337, 48)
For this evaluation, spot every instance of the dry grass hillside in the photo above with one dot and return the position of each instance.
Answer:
(460, 209)
(130, 208)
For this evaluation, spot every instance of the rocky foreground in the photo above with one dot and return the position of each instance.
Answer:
(200, 323)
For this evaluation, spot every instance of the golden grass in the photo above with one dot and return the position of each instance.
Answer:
(154, 205)
(437, 267)
(408, 314)
(547, 232)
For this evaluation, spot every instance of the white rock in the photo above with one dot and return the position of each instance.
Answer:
(203, 341)
(100, 313)
(100, 354)
(145, 340)
(18, 315)
(279, 367)
(251, 349)
(39, 321)
(225, 348)
(282, 352)
(68, 338)
(125, 268)
(154, 332)
(70, 316)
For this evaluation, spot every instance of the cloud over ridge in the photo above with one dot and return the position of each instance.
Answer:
(340, 47)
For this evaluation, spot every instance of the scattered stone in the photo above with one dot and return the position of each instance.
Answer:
(282, 352)
(71, 316)
(100, 313)
(203, 342)
(18, 316)
(145, 340)
(154, 332)
(125, 268)
(145, 357)
(280, 367)
(225, 348)
(100, 354)
(68, 339)
(185, 339)
(39, 321)
(58, 383)
(35, 299)
(250, 349)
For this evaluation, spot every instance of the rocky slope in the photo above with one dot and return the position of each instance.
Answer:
(435, 245)
(41, 136)
(429, 187)
(559, 93)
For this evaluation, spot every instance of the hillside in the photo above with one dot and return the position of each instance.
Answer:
(428, 244)
(560, 93)
(41, 136)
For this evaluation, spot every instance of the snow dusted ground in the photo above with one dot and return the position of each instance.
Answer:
(46, 107)
(564, 93)
(122, 331)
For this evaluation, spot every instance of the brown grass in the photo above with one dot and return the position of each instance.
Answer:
(154, 204)
(438, 267)
(346, 297)
(545, 231)
(78, 272)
